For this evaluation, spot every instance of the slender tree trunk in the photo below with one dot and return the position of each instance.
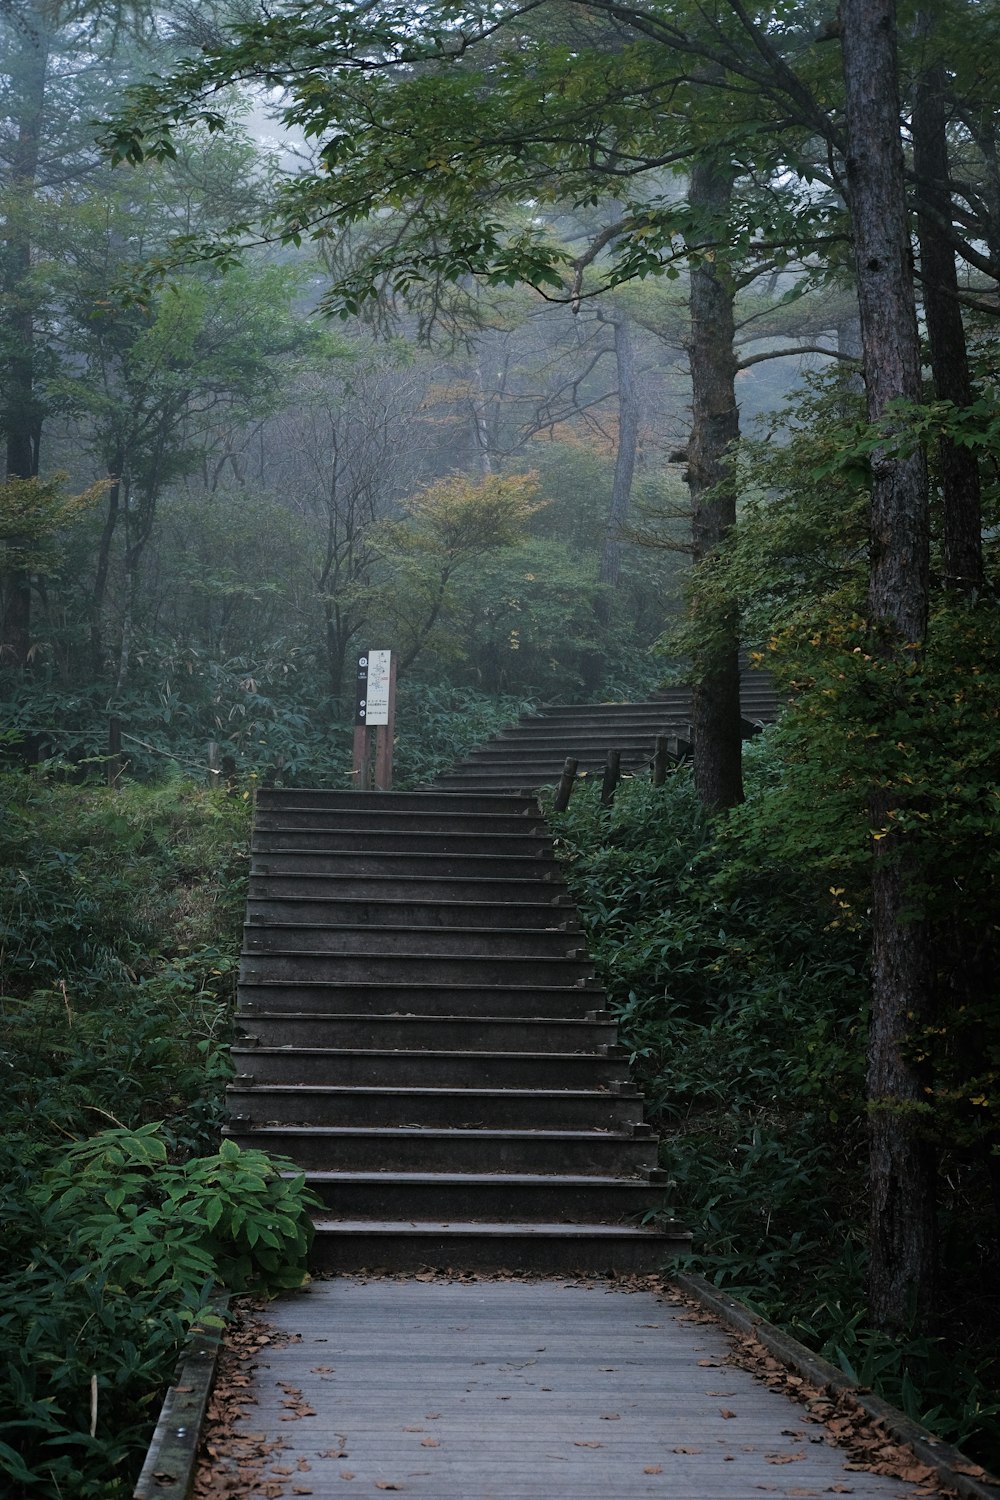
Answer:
(21, 413)
(962, 549)
(903, 1251)
(594, 660)
(715, 428)
(119, 486)
(628, 442)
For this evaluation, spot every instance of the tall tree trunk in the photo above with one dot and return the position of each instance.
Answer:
(628, 442)
(715, 428)
(21, 414)
(903, 1250)
(962, 549)
(594, 661)
(119, 488)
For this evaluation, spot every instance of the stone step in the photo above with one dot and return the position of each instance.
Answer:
(545, 1249)
(367, 1066)
(438, 1033)
(404, 998)
(460, 1107)
(364, 967)
(580, 1152)
(528, 1196)
(540, 867)
(382, 940)
(396, 911)
(401, 841)
(544, 896)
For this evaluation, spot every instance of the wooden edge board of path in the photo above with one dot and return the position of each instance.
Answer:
(507, 1388)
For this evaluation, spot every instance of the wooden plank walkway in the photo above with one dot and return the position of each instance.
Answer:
(512, 1390)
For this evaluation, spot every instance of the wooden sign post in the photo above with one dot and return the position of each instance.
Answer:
(374, 721)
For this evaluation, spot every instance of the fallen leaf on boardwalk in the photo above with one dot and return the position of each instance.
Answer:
(333, 1453)
(387, 1484)
(687, 1450)
(432, 1416)
(304, 1466)
(429, 1443)
(413, 1429)
(709, 1364)
(841, 1489)
(610, 1416)
(725, 1412)
(653, 1469)
(346, 1474)
(282, 1470)
(784, 1458)
(301, 1489)
(322, 1370)
(579, 1444)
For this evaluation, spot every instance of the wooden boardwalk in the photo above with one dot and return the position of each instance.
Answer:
(513, 1390)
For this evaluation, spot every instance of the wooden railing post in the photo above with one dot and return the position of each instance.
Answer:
(612, 776)
(565, 788)
(660, 758)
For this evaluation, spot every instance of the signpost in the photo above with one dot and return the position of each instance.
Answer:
(374, 720)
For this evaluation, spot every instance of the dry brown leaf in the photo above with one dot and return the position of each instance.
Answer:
(333, 1453)
(784, 1458)
(580, 1443)
(687, 1450)
(346, 1474)
(387, 1484)
(653, 1469)
(725, 1412)
(610, 1416)
(429, 1443)
(413, 1429)
(301, 1489)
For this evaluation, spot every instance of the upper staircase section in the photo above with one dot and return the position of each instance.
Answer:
(532, 752)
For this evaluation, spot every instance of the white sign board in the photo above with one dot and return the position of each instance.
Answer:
(377, 707)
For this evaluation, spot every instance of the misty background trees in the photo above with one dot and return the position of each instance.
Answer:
(557, 347)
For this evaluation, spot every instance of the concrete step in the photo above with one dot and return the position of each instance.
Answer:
(546, 895)
(400, 841)
(438, 1033)
(528, 1196)
(580, 1152)
(396, 911)
(364, 967)
(402, 997)
(540, 866)
(428, 1069)
(546, 1249)
(461, 1108)
(460, 942)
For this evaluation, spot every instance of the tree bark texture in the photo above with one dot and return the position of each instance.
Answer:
(21, 414)
(902, 1176)
(715, 428)
(962, 549)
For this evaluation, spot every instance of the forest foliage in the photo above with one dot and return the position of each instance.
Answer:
(501, 462)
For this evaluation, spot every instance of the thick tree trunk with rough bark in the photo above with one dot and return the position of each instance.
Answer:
(902, 1176)
(715, 428)
(962, 549)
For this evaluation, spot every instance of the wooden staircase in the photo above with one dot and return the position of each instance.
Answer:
(423, 1035)
(531, 753)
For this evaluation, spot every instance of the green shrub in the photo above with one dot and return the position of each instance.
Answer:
(115, 1253)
